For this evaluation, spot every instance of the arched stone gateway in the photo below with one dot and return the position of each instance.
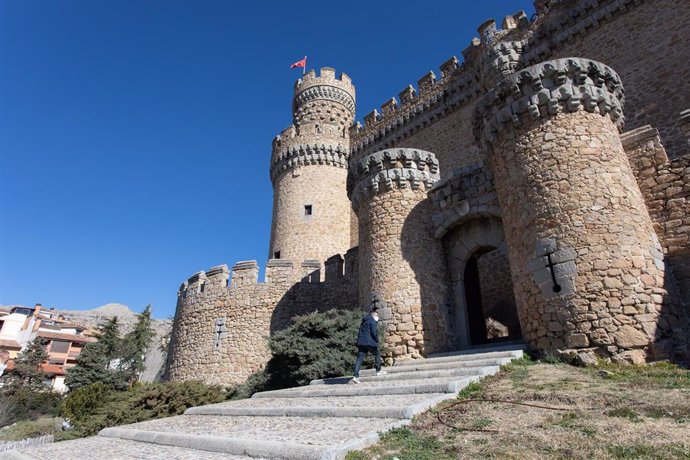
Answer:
(485, 308)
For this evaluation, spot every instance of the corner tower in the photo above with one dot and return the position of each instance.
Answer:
(311, 211)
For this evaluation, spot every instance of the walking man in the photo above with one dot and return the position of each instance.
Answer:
(368, 342)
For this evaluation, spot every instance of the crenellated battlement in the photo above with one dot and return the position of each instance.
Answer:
(433, 98)
(543, 90)
(556, 25)
(281, 273)
(325, 86)
(415, 107)
(389, 169)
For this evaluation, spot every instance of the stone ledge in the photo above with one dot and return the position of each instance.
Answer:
(638, 135)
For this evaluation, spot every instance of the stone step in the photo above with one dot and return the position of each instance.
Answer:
(98, 447)
(379, 387)
(412, 375)
(288, 438)
(385, 406)
(509, 354)
(424, 365)
(319, 421)
(480, 349)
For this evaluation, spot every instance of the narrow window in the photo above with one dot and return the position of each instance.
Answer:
(307, 210)
(318, 129)
(276, 255)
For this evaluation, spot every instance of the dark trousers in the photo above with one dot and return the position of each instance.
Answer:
(362, 353)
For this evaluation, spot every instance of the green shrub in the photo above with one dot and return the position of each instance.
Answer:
(91, 408)
(21, 404)
(317, 345)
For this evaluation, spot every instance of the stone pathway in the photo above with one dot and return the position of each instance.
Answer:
(321, 421)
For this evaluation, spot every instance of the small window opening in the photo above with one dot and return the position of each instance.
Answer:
(318, 129)
(307, 210)
(276, 255)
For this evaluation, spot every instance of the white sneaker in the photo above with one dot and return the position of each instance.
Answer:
(355, 380)
(381, 372)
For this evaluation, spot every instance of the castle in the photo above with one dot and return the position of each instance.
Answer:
(537, 191)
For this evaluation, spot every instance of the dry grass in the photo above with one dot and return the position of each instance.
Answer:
(611, 412)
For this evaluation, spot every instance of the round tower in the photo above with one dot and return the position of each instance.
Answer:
(311, 211)
(401, 264)
(587, 266)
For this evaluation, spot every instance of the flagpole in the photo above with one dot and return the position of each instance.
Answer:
(304, 67)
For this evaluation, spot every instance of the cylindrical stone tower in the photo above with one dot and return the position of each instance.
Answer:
(401, 264)
(586, 263)
(311, 212)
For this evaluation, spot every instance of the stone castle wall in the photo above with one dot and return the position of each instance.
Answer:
(665, 186)
(593, 223)
(646, 43)
(221, 329)
(642, 42)
(294, 231)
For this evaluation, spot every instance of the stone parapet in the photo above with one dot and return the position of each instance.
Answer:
(389, 169)
(300, 155)
(549, 88)
(220, 333)
(416, 109)
(459, 85)
(325, 92)
(325, 86)
(554, 30)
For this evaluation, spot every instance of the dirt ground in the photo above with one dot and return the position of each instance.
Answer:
(608, 412)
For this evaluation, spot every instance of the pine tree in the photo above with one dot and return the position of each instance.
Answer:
(109, 336)
(100, 362)
(135, 345)
(92, 367)
(27, 373)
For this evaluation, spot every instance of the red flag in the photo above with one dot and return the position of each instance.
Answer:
(300, 63)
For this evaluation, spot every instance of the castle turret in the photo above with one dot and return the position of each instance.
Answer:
(311, 211)
(401, 264)
(587, 266)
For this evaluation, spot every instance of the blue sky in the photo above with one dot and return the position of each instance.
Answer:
(135, 136)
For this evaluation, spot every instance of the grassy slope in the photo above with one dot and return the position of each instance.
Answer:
(30, 429)
(609, 412)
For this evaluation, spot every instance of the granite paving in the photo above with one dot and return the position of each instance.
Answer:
(110, 448)
(293, 430)
(331, 401)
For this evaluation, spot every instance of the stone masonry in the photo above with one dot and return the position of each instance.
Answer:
(502, 189)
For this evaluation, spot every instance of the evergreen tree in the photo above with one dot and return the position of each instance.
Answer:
(100, 362)
(109, 336)
(92, 367)
(27, 373)
(135, 345)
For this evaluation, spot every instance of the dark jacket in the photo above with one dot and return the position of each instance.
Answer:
(368, 332)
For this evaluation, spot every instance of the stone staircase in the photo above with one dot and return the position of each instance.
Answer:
(323, 420)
